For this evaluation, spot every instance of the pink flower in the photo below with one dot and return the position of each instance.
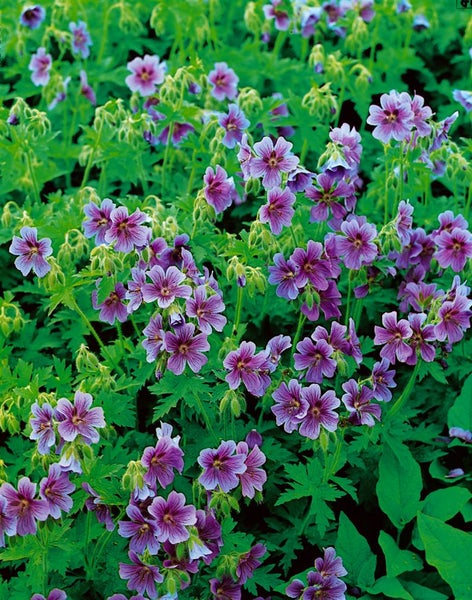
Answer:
(219, 188)
(166, 286)
(250, 368)
(253, 478)
(22, 506)
(126, 230)
(393, 335)
(79, 419)
(147, 73)
(40, 64)
(223, 81)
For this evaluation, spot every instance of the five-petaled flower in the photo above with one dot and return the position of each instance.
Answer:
(146, 74)
(40, 65)
(79, 419)
(31, 252)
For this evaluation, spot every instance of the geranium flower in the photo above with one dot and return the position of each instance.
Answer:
(160, 460)
(245, 157)
(225, 588)
(142, 577)
(7, 522)
(219, 189)
(55, 594)
(86, 90)
(393, 335)
(454, 249)
(464, 98)
(422, 334)
(55, 489)
(32, 16)
(404, 221)
(246, 366)
(233, 123)
(281, 18)
(42, 427)
(327, 197)
(134, 292)
(186, 349)
(382, 380)
(173, 517)
(95, 504)
(312, 267)
(22, 506)
(454, 318)
(330, 565)
(253, 478)
(278, 211)
(98, 220)
(320, 412)
(221, 467)
(112, 307)
(315, 358)
(40, 64)
(81, 40)
(393, 119)
(79, 419)
(272, 160)
(31, 252)
(209, 532)
(284, 273)
(223, 82)
(127, 231)
(206, 310)
(154, 342)
(357, 401)
(290, 405)
(356, 246)
(166, 286)
(275, 347)
(143, 532)
(248, 562)
(146, 74)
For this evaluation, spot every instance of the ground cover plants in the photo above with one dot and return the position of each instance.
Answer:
(235, 307)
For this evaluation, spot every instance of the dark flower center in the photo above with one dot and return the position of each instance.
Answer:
(76, 420)
(144, 529)
(391, 117)
(168, 518)
(165, 291)
(273, 160)
(183, 348)
(24, 505)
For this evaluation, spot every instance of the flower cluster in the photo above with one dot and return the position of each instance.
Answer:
(325, 582)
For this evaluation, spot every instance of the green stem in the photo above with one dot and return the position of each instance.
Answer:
(92, 156)
(32, 175)
(386, 188)
(206, 418)
(406, 392)
(237, 312)
(349, 294)
(298, 333)
(469, 201)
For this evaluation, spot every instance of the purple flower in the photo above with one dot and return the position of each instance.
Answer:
(357, 248)
(382, 380)
(284, 273)
(173, 517)
(454, 248)
(225, 588)
(275, 347)
(7, 522)
(219, 188)
(206, 310)
(209, 532)
(290, 405)
(186, 349)
(394, 119)
(223, 81)
(246, 366)
(81, 40)
(420, 114)
(42, 427)
(282, 20)
(142, 577)
(404, 221)
(127, 230)
(320, 412)
(393, 335)
(22, 506)
(463, 434)
(252, 478)
(160, 461)
(143, 532)
(154, 342)
(79, 419)
(31, 252)
(278, 211)
(112, 307)
(272, 160)
(245, 157)
(95, 504)
(454, 318)
(330, 565)
(248, 562)
(146, 74)
(348, 140)
(328, 588)
(327, 197)
(98, 221)
(233, 123)
(357, 402)
(55, 594)
(55, 490)
(179, 132)
(312, 268)
(134, 293)
(40, 65)
(447, 222)
(221, 467)
(32, 16)
(441, 134)
(315, 358)
(464, 98)
(419, 339)
(166, 286)
(86, 90)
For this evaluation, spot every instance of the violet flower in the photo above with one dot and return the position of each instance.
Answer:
(98, 220)
(54, 594)
(179, 132)
(278, 211)
(223, 81)
(272, 160)
(454, 249)
(206, 310)
(22, 506)
(312, 267)
(357, 247)
(127, 231)
(95, 504)
(393, 335)
(43, 427)
(253, 478)
(166, 286)
(320, 412)
(393, 119)
(315, 358)
(112, 307)
(357, 402)
(290, 405)
(160, 460)
(225, 588)
(327, 197)
(7, 522)
(284, 273)
(134, 292)
(464, 98)
(233, 123)
(185, 348)
(79, 419)
(275, 347)
(246, 366)
(86, 90)
(143, 532)
(142, 577)
(55, 490)
(281, 18)
(245, 157)
(173, 517)
(382, 380)
(454, 319)
(81, 40)
(221, 467)
(330, 565)
(146, 74)
(154, 342)
(32, 16)
(422, 334)
(219, 188)
(404, 221)
(31, 252)
(209, 532)
(248, 562)
(348, 140)
(40, 65)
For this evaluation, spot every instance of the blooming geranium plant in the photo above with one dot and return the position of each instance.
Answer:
(235, 300)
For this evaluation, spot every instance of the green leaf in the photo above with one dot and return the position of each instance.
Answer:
(358, 558)
(466, 512)
(420, 592)
(399, 484)
(265, 577)
(449, 550)
(444, 504)
(398, 561)
(390, 587)
(460, 414)
(105, 288)
(119, 408)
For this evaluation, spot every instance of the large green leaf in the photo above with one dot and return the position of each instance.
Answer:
(399, 484)
(398, 561)
(449, 550)
(444, 504)
(460, 414)
(358, 558)
(391, 588)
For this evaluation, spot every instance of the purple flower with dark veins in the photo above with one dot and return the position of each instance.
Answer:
(55, 490)
(95, 504)
(79, 419)
(86, 90)
(173, 517)
(245, 157)
(422, 334)
(315, 358)
(40, 65)
(312, 267)
(320, 412)
(327, 197)
(246, 366)
(142, 577)
(357, 247)
(290, 405)
(393, 119)
(284, 273)
(98, 221)
(278, 211)
(31, 252)
(248, 562)
(275, 347)
(112, 307)
(154, 342)
(233, 123)
(186, 349)
(223, 81)
(281, 18)
(42, 427)
(127, 231)
(22, 506)
(330, 565)
(166, 286)
(160, 460)
(54, 594)
(404, 221)
(272, 160)
(225, 588)
(206, 310)
(392, 336)
(134, 293)
(221, 467)
(382, 380)
(146, 74)
(81, 40)
(219, 188)
(7, 523)
(454, 318)
(464, 98)
(253, 477)
(32, 16)
(454, 249)
(143, 532)
(357, 402)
